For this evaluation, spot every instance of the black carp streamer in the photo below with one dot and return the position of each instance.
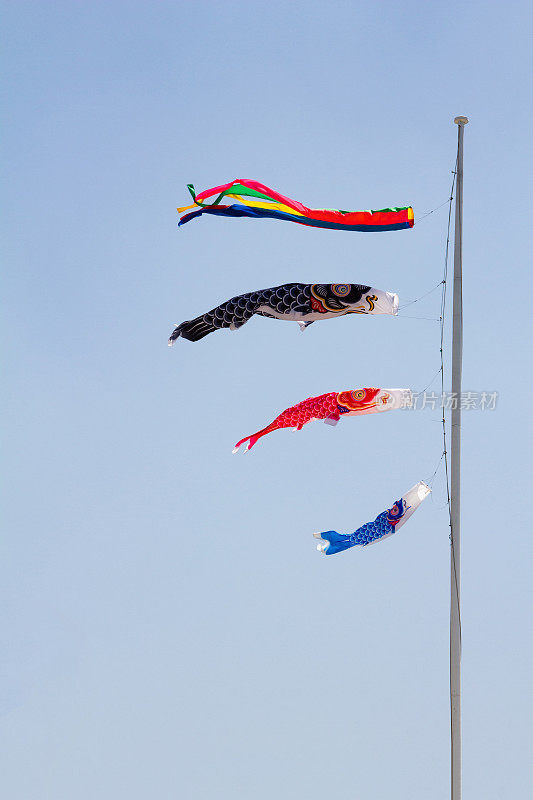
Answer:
(303, 303)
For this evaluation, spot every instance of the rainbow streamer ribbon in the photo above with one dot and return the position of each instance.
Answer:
(269, 204)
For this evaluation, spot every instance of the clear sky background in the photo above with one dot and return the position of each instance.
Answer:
(169, 630)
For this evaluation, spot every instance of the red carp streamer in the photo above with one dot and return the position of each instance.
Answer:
(331, 406)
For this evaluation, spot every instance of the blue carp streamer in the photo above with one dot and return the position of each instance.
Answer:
(384, 525)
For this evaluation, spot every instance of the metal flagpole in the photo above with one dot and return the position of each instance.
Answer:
(455, 481)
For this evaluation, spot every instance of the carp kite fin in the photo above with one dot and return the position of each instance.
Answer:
(304, 325)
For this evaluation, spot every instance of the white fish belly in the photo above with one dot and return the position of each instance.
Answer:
(299, 316)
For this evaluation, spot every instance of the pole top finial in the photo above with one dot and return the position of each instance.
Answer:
(461, 120)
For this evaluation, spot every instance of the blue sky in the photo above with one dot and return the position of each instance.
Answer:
(168, 627)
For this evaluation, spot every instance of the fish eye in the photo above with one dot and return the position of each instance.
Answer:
(341, 289)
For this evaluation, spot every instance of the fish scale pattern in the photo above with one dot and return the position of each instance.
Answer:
(371, 531)
(321, 407)
(289, 298)
(292, 297)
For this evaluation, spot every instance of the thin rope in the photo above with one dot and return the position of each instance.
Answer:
(442, 321)
(431, 480)
(431, 381)
(432, 211)
(431, 319)
(410, 303)
(442, 315)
